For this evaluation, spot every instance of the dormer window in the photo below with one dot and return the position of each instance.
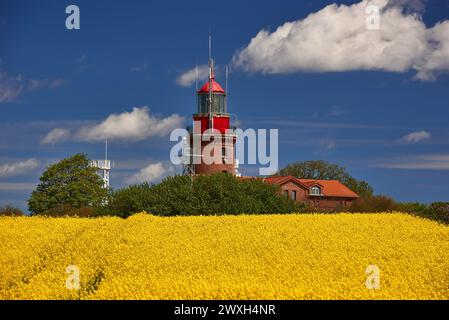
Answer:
(315, 191)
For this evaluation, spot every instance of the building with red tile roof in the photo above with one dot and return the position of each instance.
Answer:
(319, 194)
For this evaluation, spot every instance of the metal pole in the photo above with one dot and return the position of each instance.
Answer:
(227, 90)
(196, 77)
(211, 70)
(106, 150)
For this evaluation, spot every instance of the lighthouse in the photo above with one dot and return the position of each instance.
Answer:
(210, 144)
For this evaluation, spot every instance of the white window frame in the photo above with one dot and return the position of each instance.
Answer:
(313, 191)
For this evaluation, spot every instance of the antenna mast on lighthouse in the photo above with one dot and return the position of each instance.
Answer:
(211, 75)
(227, 89)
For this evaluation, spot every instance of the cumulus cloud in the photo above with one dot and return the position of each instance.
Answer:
(132, 126)
(136, 125)
(437, 59)
(337, 39)
(151, 173)
(10, 87)
(407, 6)
(415, 137)
(55, 136)
(17, 168)
(188, 78)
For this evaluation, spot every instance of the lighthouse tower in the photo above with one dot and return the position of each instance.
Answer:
(210, 153)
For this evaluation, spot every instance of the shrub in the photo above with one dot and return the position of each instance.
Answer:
(10, 211)
(379, 203)
(216, 194)
(438, 211)
(130, 200)
(66, 210)
(411, 207)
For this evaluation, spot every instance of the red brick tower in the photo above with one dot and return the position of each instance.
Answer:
(211, 154)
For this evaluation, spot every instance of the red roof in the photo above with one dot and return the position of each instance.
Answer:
(329, 188)
(215, 87)
(333, 188)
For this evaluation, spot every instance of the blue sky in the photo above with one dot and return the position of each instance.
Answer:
(383, 115)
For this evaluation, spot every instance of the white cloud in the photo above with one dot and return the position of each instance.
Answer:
(437, 60)
(131, 126)
(188, 78)
(17, 168)
(139, 68)
(415, 137)
(136, 125)
(151, 173)
(336, 39)
(336, 111)
(10, 87)
(408, 6)
(328, 144)
(46, 83)
(56, 135)
(423, 162)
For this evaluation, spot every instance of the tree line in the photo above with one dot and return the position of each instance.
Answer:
(73, 188)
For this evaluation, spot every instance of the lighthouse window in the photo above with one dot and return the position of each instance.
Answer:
(202, 103)
(222, 104)
(218, 103)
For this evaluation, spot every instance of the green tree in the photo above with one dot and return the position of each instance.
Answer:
(322, 170)
(216, 194)
(70, 183)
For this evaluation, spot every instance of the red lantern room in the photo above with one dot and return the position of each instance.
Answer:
(212, 108)
(211, 114)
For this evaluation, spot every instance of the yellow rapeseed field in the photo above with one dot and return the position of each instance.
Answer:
(229, 257)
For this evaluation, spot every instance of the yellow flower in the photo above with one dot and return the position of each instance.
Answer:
(304, 256)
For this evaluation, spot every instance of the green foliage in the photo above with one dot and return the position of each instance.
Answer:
(69, 184)
(438, 211)
(378, 203)
(322, 170)
(129, 200)
(411, 207)
(10, 211)
(361, 187)
(203, 195)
